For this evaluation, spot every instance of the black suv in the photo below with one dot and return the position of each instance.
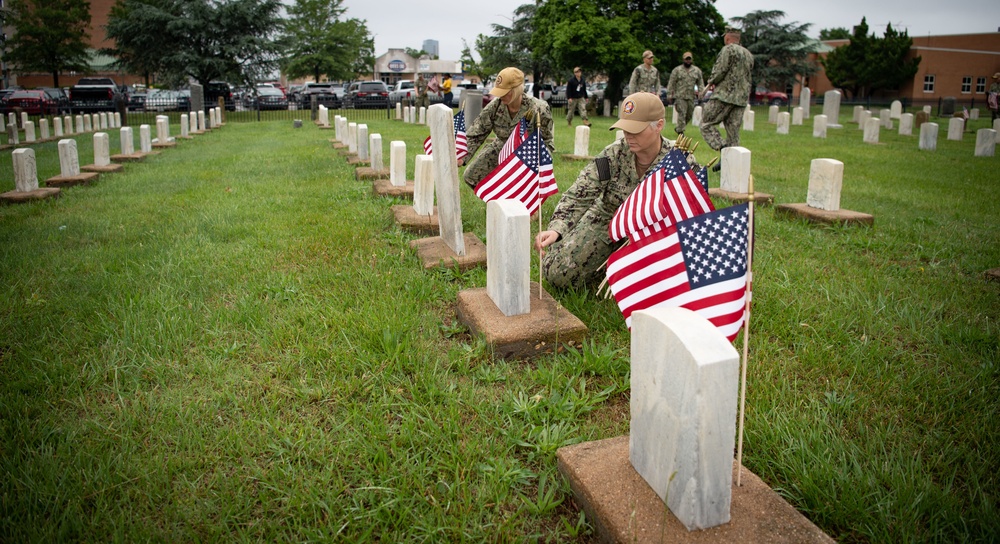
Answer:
(324, 93)
(367, 94)
(214, 90)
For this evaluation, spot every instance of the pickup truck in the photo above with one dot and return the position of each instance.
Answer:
(95, 94)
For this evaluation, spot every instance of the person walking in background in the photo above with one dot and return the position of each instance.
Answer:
(683, 87)
(422, 100)
(993, 98)
(446, 89)
(645, 77)
(501, 117)
(730, 83)
(576, 97)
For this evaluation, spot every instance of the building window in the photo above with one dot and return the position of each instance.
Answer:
(966, 84)
(980, 84)
(929, 83)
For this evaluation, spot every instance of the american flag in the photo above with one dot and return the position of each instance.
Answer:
(699, 264)
(524, 175)
(461, 142)
(669, 194)
(514, 140)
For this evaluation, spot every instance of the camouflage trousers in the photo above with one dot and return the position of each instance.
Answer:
(577, 260)
(685, 110)
(729, 115)
(422, 102)
(578, 106)
(483, 163)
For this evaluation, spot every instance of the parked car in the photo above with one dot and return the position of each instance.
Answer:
(95, 94)
(60, 97)
(764, 96)
(160, 100)
(544, 90)
(32, 102)
(266, 98)
(558, 97)
(367, 94)
(214, 90)
(324, 93)
(403, 91)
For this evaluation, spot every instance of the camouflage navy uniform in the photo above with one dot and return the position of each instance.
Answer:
(645, 80)
(731, 77)
(584, 212)
(681, 87)
(496, 118)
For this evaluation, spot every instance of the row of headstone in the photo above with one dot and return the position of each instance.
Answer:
(412, 114)
(61, 126)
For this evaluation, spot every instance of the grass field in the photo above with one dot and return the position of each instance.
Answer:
(232, 341)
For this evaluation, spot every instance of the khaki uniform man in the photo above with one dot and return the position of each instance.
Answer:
(645, 77)
(577, 237)
(576, 97)
(684, 79)
(501, 117)
(423, 100)
(730, 80)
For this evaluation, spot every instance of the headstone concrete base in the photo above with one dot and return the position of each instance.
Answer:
(106, 169)
(434, 253)
(164, 145)
(763, 199)
(199, 132)
(367, 172)
(84, 178)
(816, 215)
(992, 274)
(408, 220)
(354, 160)
(570, 157)
(541, 330)
(384, 187)
(338, 145)
(134, 157)
(623, 508)
(325, 127)
(17, 197)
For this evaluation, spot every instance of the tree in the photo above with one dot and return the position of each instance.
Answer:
(837, 33)
(50, 36)
(199, 39)
(868, 64)
(780, 50)
(469, 64)
(608, 37)
(317, 42)
(512, 46)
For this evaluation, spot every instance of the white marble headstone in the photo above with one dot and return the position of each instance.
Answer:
(422, 116)
(673, 115)
(956, 125)
(826, 179)
(25, 169)
(985, 142)
(696, 116)
(928, 136)
(872, 126)
(581, 142)
(863, 119)
(748, 119)
(797, 115)
(375, 152)
(805, 100)
(362, 143)
(423, 185)
(831, 109)
(783, 119)
(772, 114)
(682, 433)
(102, 149)
(397, 163)
(885, 119)
(895, 109)
(145, 139)
(819, 126)
(352, 137)
(856, 116)
(57, 126)
(440, 118)
(127, 141)
(43, 129)
(69, 158)
(185, 126)
(508, 256)
(29, 131)
(79, 124)
(399, 111)
(68, 124)
(162, 129)
(906, 124)
(735, 173)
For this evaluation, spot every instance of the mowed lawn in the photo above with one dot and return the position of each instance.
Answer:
(232, 341)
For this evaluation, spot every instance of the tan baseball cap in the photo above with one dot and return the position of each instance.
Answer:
(507, 79)
(687, 55)
(638, 111)
(996, 75)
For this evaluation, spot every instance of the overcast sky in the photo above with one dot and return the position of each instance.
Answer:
(407, 23)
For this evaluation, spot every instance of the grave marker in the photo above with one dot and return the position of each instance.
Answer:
(856, 118)
(928, 136)
(423, 185)
(69, 167)
(831, 109)
(772, 114)
(985, 142)
(696, 116)
(783, 120)
(29, 131)
(826, 178)
(57, 125)
(748, 120)
(26, 177)
(906, 124)
(871, 130)
(797, 115)
(885, 119)
(397, 163)
(43, 128)
(895, 109)
(819, 126)
(508, 256)
(805, 101)
(956, 125)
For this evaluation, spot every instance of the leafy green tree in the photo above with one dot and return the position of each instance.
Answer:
(318, 42)
(512, 46)
(836, 33)
(868, 64)
(608, 37)
(780, 50)
(469, 64)
(199, 39)
(50, 36)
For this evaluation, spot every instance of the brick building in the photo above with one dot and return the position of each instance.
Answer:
(957, 65)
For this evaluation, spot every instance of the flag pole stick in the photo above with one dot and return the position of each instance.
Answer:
(538, 160)
(746, 331)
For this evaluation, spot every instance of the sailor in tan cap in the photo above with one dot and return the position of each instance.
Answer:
(500, 117)
(577, 238)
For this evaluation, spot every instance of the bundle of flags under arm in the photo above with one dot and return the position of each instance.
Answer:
(524, 172)
(461, 142)
(681, 251)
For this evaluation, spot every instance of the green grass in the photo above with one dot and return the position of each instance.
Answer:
(232, 341)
